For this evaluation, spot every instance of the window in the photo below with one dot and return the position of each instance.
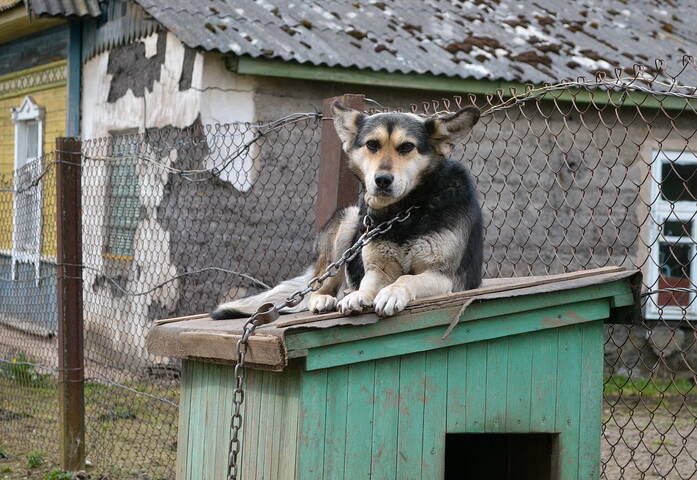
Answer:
(26, 218)
(673, 247)
(123, 197)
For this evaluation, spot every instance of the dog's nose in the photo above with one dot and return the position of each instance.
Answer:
(383, 180)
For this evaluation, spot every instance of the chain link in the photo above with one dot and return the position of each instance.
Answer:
(269, 312)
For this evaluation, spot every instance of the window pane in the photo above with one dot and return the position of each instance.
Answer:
(124, 201)
(675, 228)
(679, 182)
(675, 263)
(32, 140)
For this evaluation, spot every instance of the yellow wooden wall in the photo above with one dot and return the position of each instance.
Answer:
(54, 101)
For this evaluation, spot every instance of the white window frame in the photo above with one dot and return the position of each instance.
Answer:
(28, 112)
(661, 212)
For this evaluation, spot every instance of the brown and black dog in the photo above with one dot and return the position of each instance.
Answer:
(402, 161)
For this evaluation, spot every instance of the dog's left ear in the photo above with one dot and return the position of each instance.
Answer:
(347, 121)
(447, 129)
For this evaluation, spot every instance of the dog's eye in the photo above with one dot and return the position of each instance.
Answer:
(405, 148)
(372, 145)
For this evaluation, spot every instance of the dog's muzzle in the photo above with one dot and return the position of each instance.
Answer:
(383, 182)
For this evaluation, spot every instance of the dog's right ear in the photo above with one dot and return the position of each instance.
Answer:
(347, 121)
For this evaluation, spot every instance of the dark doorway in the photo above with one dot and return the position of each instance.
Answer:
(500, 456)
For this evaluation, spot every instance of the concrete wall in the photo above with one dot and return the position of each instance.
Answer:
(162, 90)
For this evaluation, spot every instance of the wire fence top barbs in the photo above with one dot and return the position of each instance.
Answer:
(574, 175)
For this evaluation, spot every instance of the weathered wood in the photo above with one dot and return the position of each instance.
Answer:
(213, 420)
(457, 298)
(185, 413)
(335, 433)
(519, 384)
(591, 400)
(435, 404)
(386, 413)
(165, 321)
(457, 375)
(411, 415)
(384, 406)
(252, 422)
(359, 420)
(173, 337)
(71, 363)
(568, 399)
(337, 187)
(443, 316)
(311, 444)
(262, 350)
(496, 384)
(475, 331)
(544, 381)
(475, 399)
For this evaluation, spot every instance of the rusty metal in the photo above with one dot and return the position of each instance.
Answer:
(69, 294)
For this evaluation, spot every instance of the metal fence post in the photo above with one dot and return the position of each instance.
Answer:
(70, 335)
(337, 187)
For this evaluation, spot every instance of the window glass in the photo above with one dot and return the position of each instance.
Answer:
(675, 264)
(32, 139)
(122, 197)
(674, 228)
(679, 182)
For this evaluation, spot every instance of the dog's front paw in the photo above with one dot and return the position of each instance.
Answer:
(355, 302)
(319, 303)
(391, 299)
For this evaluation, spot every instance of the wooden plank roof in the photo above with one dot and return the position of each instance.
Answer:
(294, 335)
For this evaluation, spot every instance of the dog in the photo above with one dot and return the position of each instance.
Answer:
(401, 160)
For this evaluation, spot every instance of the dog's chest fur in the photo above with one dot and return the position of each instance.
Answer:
(433, 238)
(416, 255)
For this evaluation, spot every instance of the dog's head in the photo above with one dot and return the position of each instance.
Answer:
(390, 152)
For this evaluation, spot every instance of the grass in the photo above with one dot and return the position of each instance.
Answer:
(59, 475)
(22, 372)
(618, 385)
(35, 459)
(129, 436)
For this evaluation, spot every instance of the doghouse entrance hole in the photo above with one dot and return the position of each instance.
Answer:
(500, 456)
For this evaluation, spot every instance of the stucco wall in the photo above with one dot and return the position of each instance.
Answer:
(175, 92)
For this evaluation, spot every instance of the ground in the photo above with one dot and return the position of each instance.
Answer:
(650, 431)
(650, 440)
(131, 436)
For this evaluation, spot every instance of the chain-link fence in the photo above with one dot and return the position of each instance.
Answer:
(575, 175)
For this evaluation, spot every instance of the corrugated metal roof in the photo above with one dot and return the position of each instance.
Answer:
(526, 41)
(65, 8)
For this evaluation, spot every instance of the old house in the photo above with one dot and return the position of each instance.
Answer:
(39, 101)
(560, 191)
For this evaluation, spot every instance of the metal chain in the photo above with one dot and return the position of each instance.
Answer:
(269, 312)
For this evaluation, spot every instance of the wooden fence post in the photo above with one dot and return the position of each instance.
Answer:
(337, 187)
(71, 372)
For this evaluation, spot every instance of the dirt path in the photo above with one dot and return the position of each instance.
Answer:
(650, 441)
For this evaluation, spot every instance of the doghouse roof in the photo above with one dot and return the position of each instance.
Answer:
(512, 305)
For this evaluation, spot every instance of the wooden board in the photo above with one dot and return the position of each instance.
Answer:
(471, 332)
(272, 345)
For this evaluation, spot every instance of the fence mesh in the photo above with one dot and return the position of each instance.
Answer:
(28, 360)
(575, 175)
